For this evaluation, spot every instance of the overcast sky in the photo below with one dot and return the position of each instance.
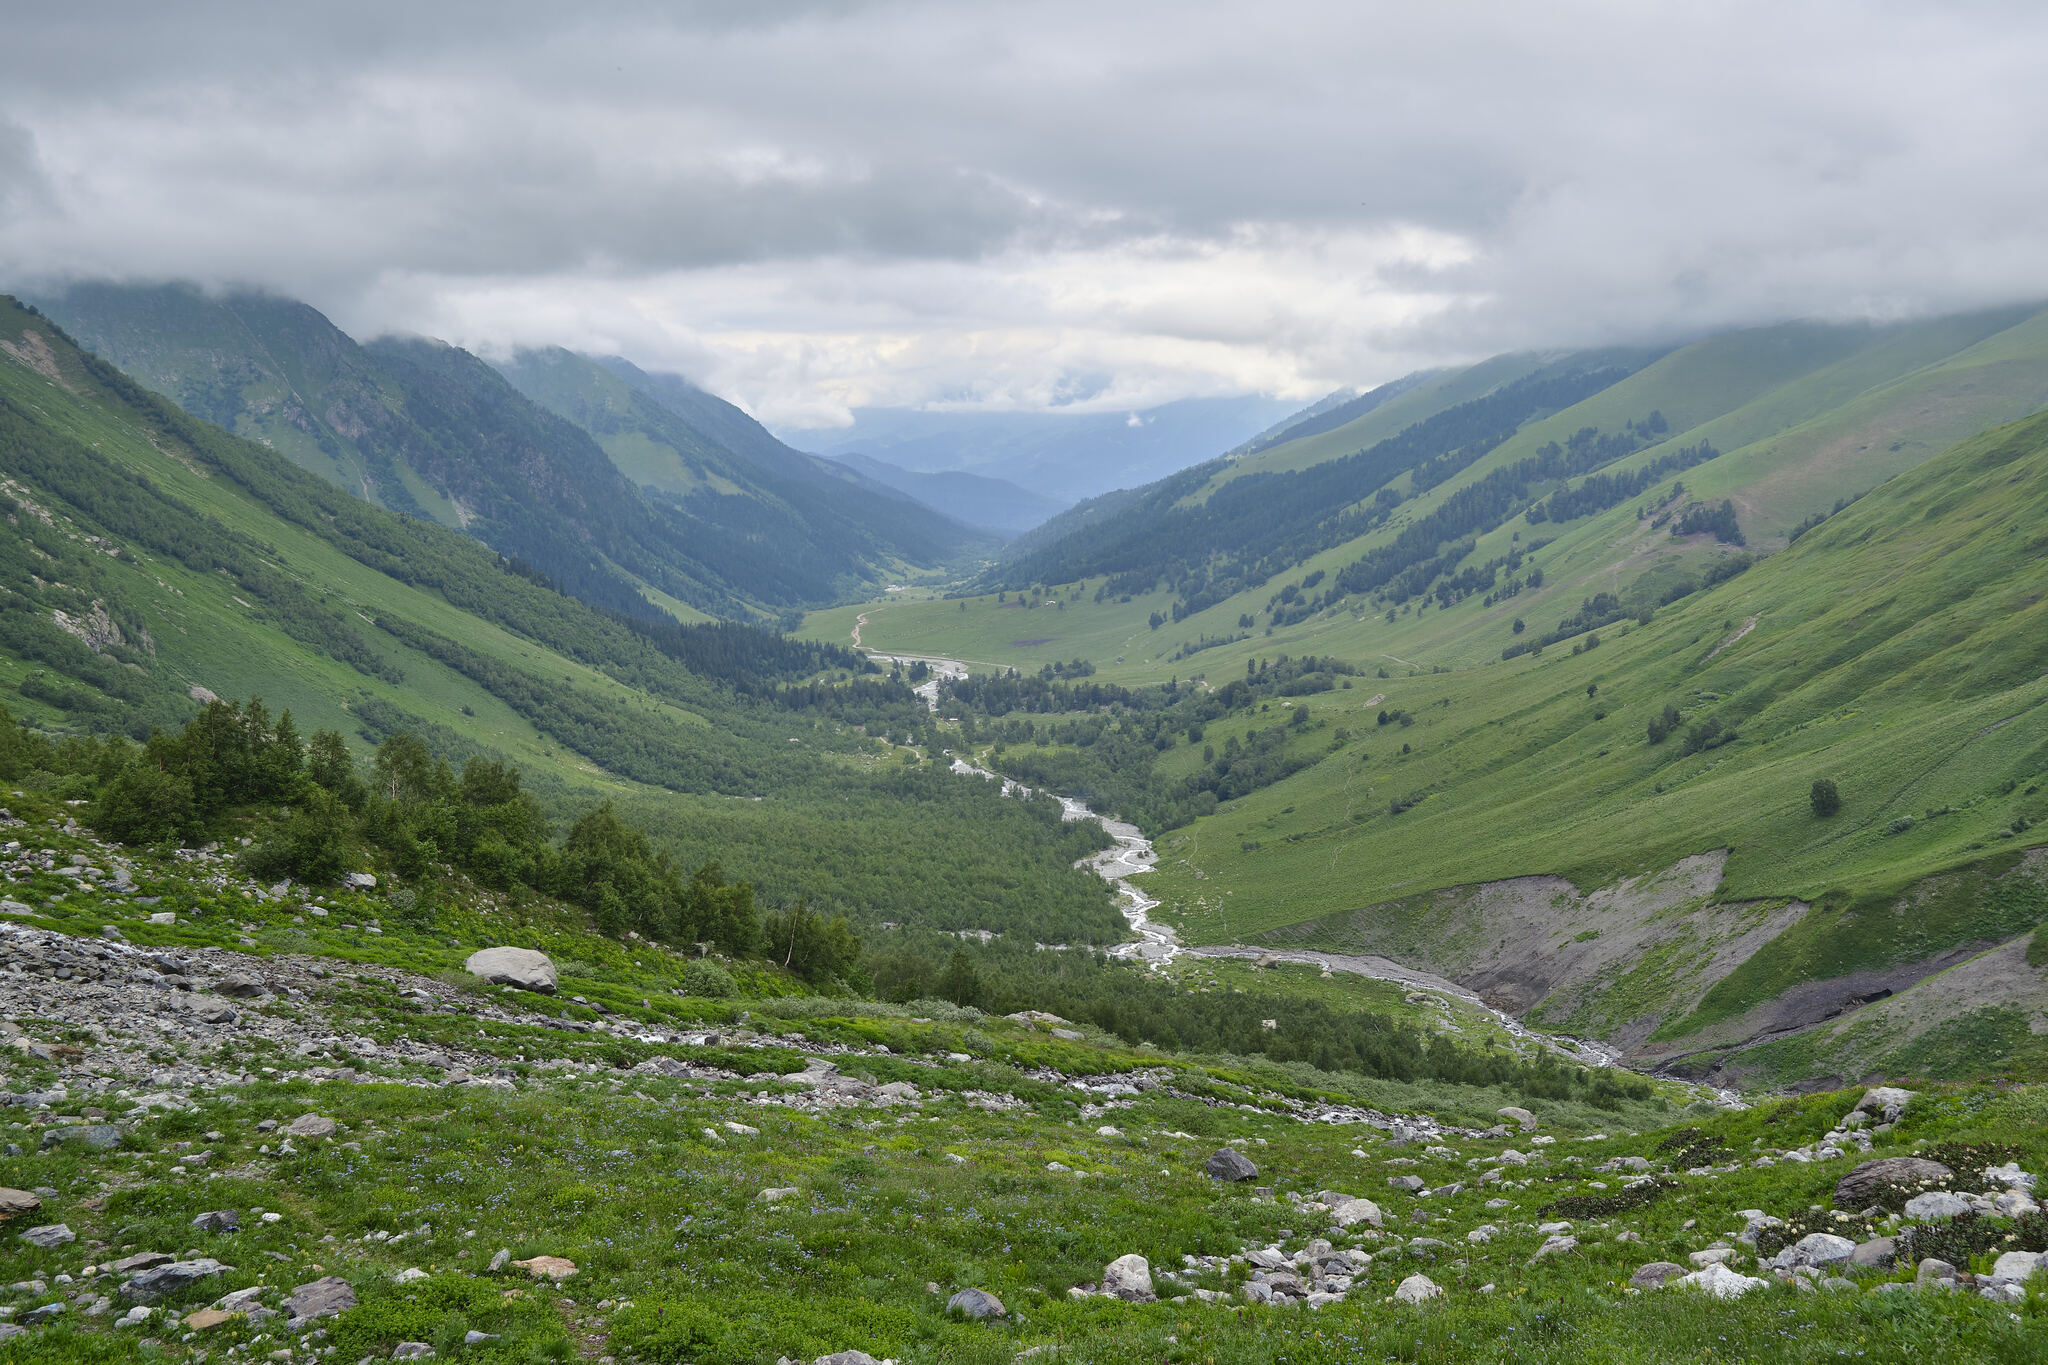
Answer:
(814, 206)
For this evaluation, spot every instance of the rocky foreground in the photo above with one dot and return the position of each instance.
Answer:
(265, 1123)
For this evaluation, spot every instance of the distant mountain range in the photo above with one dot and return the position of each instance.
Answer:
(996, 504)
(1064, 457)
(634, 492)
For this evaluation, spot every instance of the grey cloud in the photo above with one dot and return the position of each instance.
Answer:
(956, 175)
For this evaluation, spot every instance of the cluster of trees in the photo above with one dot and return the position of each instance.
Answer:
(1104, 745)
(421, 816)
(1717, 519)
(1142, 1008)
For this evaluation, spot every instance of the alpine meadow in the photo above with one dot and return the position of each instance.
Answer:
(908, 685)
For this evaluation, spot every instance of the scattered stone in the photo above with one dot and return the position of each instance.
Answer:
(100, 1137)
(17, 1203)
(141, 1260)
(161, 1281)
(1814, 1249)
(359, 881)
(776, 1195)
(1555, 1246)
(1875, 1254)
(1129, 1278)
(1516, 1114)
(556, 1268)
(1653, 1275)
(977, 1304)
(328, 1297)
(847, 1358)
(1411, 1183)
(498, 1261)
(1352, 1212)
(2009, 1175)
(1868, 1183)
(2015, 1266)
(1936, 1204)
(1887, 1102)
(219, 1220)
(520, 967)
(205, 1319)
(412, 1350)
(412, 1274)
(1932, 1270)
(1721, 1282)
(310, 1126)
(475, 1338)
(1418, 1288)
(49, 1236)
(1225, 1164)
(241, 987)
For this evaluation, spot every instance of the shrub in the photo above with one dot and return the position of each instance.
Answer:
(144, 805)
(708, 979)
(1827, 797)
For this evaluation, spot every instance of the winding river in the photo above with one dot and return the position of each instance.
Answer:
(1156, 944)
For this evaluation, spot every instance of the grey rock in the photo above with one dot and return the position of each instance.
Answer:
(847, 1358)
(412, 1350)
(214, 1014)
(100, 1137)
(164, 1280)
(498, 1261)
(1936, 1204)
(310, 1126)
(14, 1203)
(1814, 1249)
(1354, 1211)
(1932, 1269)
(1653, 1275)
(1874, 1254)
(241, 987)
(1227, 1165)
(520, 967)
(2016, 1266)
(1412, 1184)
(1129, 1278)
(1518, 1115)
(9, 1331)
(49, 1236)
(49, 1312)
(1870, 1181)
(976, 1304)
(323, 1298)
(141, 1260)
(219, 1220)
(475, 1338)
(1417, 1289)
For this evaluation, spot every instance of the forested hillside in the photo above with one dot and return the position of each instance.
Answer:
(154, 561)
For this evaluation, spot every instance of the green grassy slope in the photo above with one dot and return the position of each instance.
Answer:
(1804, 416)
(225, 568)
(431, 431)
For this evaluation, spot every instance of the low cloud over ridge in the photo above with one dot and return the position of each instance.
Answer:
(817, 206)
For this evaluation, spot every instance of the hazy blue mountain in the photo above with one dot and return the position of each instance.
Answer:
(1063, 456)
(978, 500)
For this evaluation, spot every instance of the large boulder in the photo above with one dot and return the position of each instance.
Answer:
(1721, 1282)
(1887, 1102)
(1937, 1204)
(1520, 1116)
(50, 1236)
(17, 1203)
(2015, 1266)
(1129, 1278)
(1653, 1275)
(1814, 1249)
(1418, 1288)
(1876, 1254)
(521, 967)
(1228, 1165)
(1355, 1211)
(1889, 1178)
(99, 1137)
(977, 1304)
(323, 1298)
(165, 1280)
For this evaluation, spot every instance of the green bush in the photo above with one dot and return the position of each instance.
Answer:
(144, 805)
(1827, 797)
(708, 979)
